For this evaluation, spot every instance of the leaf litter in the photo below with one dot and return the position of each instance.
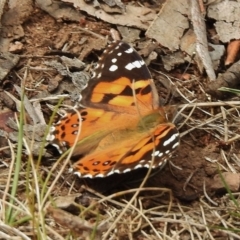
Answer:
(188, 198)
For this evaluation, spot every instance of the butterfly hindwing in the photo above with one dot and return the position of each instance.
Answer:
(143, 150)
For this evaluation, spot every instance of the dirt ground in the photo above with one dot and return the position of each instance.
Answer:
(193, 164)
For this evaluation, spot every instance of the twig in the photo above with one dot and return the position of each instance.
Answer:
(201, 39)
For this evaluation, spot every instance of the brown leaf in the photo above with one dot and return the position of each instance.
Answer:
(232, 51)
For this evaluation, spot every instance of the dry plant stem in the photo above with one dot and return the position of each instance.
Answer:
(175, 166)
(3, 235)
(138, 190)
(231, 234)
(206, 195)
(197, 233)
(156, 211)
(37, 192)
(212, 119)
(209, 104)
(237, 137)
(146, 219)
(189, 179)
(57, 235)
(138, 218)
(221, 219)
(89, 32)
(20, 207)
(115, 195)
(103, 198)
(201, 39)
(15, 231)
(236, 159)
(227, 162)
(169, 220)
(186, 217)
(50, 98)
(36, 187)
(8, 180)
(205, 222)
(224, 117)
(206, 204)
(187, 117)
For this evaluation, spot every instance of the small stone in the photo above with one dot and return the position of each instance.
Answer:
(16, 47)
(232, 180)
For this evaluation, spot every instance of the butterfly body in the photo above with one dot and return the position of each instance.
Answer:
(122, 126)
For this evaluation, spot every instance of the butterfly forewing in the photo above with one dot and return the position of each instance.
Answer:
(121, 80)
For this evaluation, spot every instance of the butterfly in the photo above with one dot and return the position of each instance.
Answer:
(123, 126)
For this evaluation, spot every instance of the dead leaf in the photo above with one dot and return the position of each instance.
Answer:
(216, 53)
(57, 11)
(227, 15)
(232, 51)
(78, 225)
(170, 24)
(7, 62)
(133, 17)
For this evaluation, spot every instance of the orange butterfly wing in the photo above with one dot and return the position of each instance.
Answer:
(122, 82)
(115, 132)
(133, 152)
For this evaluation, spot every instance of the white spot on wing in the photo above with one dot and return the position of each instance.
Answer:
(135, 64)
(88, 175)
(129, 67)
(155, 153)
(130, 50)
(78, 174)
(114, 60)
(127, 170)
(50, 137)
(171, 139)
(119, 54)
(113, 68)
(138, 166)
(160, 154)
(175, 145)
(99, 175)
(57, 147)
(94, 75)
